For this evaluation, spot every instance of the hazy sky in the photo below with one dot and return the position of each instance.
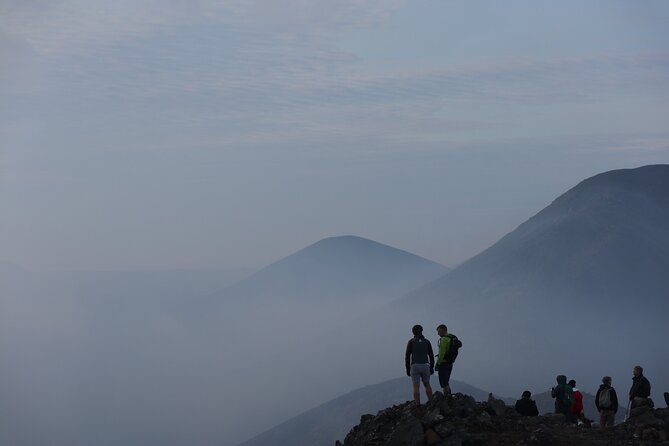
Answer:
(220, 134)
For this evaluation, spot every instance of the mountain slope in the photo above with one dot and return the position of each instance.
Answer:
(607, 237)
(333, 419)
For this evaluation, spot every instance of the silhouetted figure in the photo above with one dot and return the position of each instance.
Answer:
(576, 409)
(526, 406)
(449, 344)
(564, 397)
(606, 401)
(666, 398)
(419, 362)
(640, 390)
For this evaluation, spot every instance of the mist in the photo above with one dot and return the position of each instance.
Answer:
(216, 216)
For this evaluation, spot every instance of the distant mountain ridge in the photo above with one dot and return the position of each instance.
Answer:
(341, 267)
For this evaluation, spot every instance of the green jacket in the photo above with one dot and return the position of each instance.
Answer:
(444, 346)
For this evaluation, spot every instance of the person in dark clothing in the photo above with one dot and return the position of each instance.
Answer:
(666, 398)
(526, 406)
(419, 362)
(448, 343)
(640, 390)
(564, 397)
(606, 401)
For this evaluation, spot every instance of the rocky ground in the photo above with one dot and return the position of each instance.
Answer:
(459, 421)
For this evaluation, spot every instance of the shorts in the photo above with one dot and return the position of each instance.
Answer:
(420, 372)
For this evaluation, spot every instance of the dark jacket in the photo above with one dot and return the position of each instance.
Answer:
(640, 387)
(419, 351)
(612, 396)
(527, 407)
(562, 394)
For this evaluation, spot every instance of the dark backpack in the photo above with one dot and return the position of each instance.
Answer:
(567, 396)
(454, 349)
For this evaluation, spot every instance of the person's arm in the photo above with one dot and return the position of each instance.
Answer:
(535, 411)
(407, 358)
(430, 353)
(597, 399)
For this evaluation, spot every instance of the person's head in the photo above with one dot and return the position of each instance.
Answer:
(561, 379)
(442, 330)
(606, 380)
(638, 371)
(417, 330)
(571, 383)
(527, 394)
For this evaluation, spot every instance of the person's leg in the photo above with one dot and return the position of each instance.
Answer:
(428, 390)
(425, 378)
(445, 377)
(416, 392)
(415, 382)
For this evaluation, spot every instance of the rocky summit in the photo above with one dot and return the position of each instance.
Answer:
(459, 420)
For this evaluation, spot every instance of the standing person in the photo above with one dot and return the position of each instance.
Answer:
(577, 406)
(526, 406)
(606, 401)
(419, 362)
(448, 351)
(564, 397)
(640, 390)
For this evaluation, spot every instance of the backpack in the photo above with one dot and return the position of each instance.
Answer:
(454, 349)
(605, 398)
(567, 396)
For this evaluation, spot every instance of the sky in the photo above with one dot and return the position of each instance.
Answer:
(226, 134)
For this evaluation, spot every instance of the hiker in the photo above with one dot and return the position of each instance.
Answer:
(606, 401)
(666, 398)
(449, 344)
(576, 409)
(526, 406)
(564, 397)
(419, 362)
(640, 390)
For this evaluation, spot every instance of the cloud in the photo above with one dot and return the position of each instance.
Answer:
(67, 26)
(641, 144)
(267, 72)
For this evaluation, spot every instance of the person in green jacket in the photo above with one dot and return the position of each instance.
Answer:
(445, 357)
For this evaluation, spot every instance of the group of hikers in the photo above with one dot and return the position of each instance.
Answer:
(569, 400)
(421, 364)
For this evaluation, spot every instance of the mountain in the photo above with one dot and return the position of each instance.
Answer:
(604, 240)
(329, 282)
(330, 421)
(343, 268)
